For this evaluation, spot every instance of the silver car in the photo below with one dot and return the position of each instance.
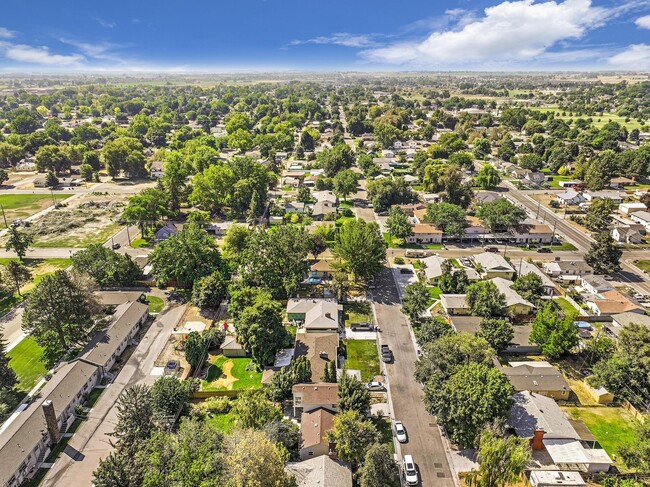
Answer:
(400, 432)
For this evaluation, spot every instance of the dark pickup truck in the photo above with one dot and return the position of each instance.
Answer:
(386, 354)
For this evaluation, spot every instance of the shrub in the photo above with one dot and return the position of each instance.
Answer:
(398, 260)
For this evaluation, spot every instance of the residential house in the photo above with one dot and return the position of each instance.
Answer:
(535, 178)
(570, 184)
(321, 209)
(520, 343)
(316, 315)
(474, 230)
(629, 208)
(387, 153)
(168, 230)
(232, 348)
(307, 397)
(280, 156)
(612, 302)
(541, 420)
(516, 305)
(594, 284)
(494, 265)
(532, 232)
(40, 181)
(641, 217)
(537, 377)
(567, 270)
(556, 478)
(569, 197)
(621, 182)
(314, 426)
(294, 207)
(524, 268)
(321, 268)
(620, 320)
(519, 173)
(327, 196)
(432, 268)
(424, 233)
(626, 235)
(157, 169)
(115, 298)
(616, 196)
(431, 197)
(322, 471)
(455, 304)
(319, 348)
(486, 197)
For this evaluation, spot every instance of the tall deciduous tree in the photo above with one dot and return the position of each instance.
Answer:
(195, 349)
(146, 209)
(498, 333)
(501, 461)
(124, 155)
(209, 291)
(379, 468)
(362, 247)
(447, 217)
(485, 299)
(106, 267)
(554, 333)
(260, 330)
(345, 183)
(604, 255)
(398, 223)
(500, 215)
(415, 301)
(18, 241)
(487, 177)
(353, 436)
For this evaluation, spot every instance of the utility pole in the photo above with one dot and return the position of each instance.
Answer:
(52, 193)
(553, 237)
(537, 214)
(128, 236)
(4, 216)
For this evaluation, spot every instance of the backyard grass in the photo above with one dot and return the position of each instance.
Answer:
(224, 422)
(611, 426)
(25, 205)
(644, 265)
(555, 183)
(26, 360)
(362, 355)
(562, 246)
(356, 312)
(385, 432)
(231, 374)
(566, 306)
(140, 243)
(434, 246)
(434, 293)
(155, 304)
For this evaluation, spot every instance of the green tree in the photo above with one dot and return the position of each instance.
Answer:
(252, 460)
(86, 171)
(169, 396)
(4, 176)
(379, 468)
(106, 267)
(260, 330)
(482, 148)
(361, 247)
(146, 210)
(209, 291)
(502, 461)
(529, 286)
(124, 155)
(415, 301)
(195, 349)
(498, 333)
(353, 394)
(500, 215)
(135, 420)
(604, 255)
(384, 193)
(18, 241)
(336, 159)
(487, 177)
(185, 257)
(8, 378)
(473, 397)
(553, 333)
(485, 299)
(51, 181)
(212, 189)
(345, 183)
(447, 217)
(431, 329)
(113, 471)
(599, 215)
(353, 436)
(253, 410)
(301, 369)
(636, 455)
(52, 158)
(58, 313)
(398, 223)
(17, 274)
(329, 372)
(602, 167)
(173, 180)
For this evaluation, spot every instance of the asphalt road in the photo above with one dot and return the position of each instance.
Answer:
(424, 440)
(90, 442)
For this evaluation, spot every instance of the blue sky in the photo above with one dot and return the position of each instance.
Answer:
(213, 35)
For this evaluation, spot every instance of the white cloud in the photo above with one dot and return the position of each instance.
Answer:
(636, 57)
(38, 55)
(100, 50)
(5, 33)
(340, 39)
(643, 22)
(512, 31)
(105, 23)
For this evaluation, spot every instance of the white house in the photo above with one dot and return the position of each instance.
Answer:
(615, 196)
(626, 235)
(641, 217)
(424, 233)
(157, 169)
(629, 208)
(570, 197)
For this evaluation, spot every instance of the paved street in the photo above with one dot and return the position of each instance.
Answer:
(425, 442)
(10, 327)
(90, 443)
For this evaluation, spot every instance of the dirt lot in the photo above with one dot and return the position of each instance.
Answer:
(87, 220)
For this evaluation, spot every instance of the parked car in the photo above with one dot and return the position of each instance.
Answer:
(400, 432)
(491, 249)
(115, 246)
(386, 354)
(544, 250)
(410, 472)
(375, 386)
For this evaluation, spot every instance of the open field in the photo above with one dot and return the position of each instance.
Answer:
(611, 426)
(362, 355)
(26, 360)
(231, 374)
(25, 205)
(598, 121)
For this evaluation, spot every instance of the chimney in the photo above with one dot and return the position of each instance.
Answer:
(538, 436)
(51, 422)
(328, 315)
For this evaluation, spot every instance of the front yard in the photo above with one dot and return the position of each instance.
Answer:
(26, 359)
(357, 312)
(362, 355)
(231, 374)
(644, 265)
(155, 304)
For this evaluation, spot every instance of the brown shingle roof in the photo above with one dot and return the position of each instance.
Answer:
(319, 348)
(318, 393)
(314, 426)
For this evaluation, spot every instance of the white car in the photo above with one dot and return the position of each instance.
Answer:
(410, 473)
(400, 432)
(375, 386)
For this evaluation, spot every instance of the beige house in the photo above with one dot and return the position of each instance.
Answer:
(455, 304)
(424, 233)
(319, 348)
(314, 426)
(537, 377)
(307, 397)
(517, 306)
(494, 265)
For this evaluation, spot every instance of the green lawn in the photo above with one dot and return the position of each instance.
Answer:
(566, 306)
(155, 304)
(25, 205)
(26, 360)
(231, 374)
(362, 355)
(385, 431)
(555, 183)
(611, 426)
(598, 121)
(140, 243)
(356, 312)
(396, 243)
(224, 422)
(644, 265)
(566, 246)
(76, 241)
(434, 292)
(434, 246)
